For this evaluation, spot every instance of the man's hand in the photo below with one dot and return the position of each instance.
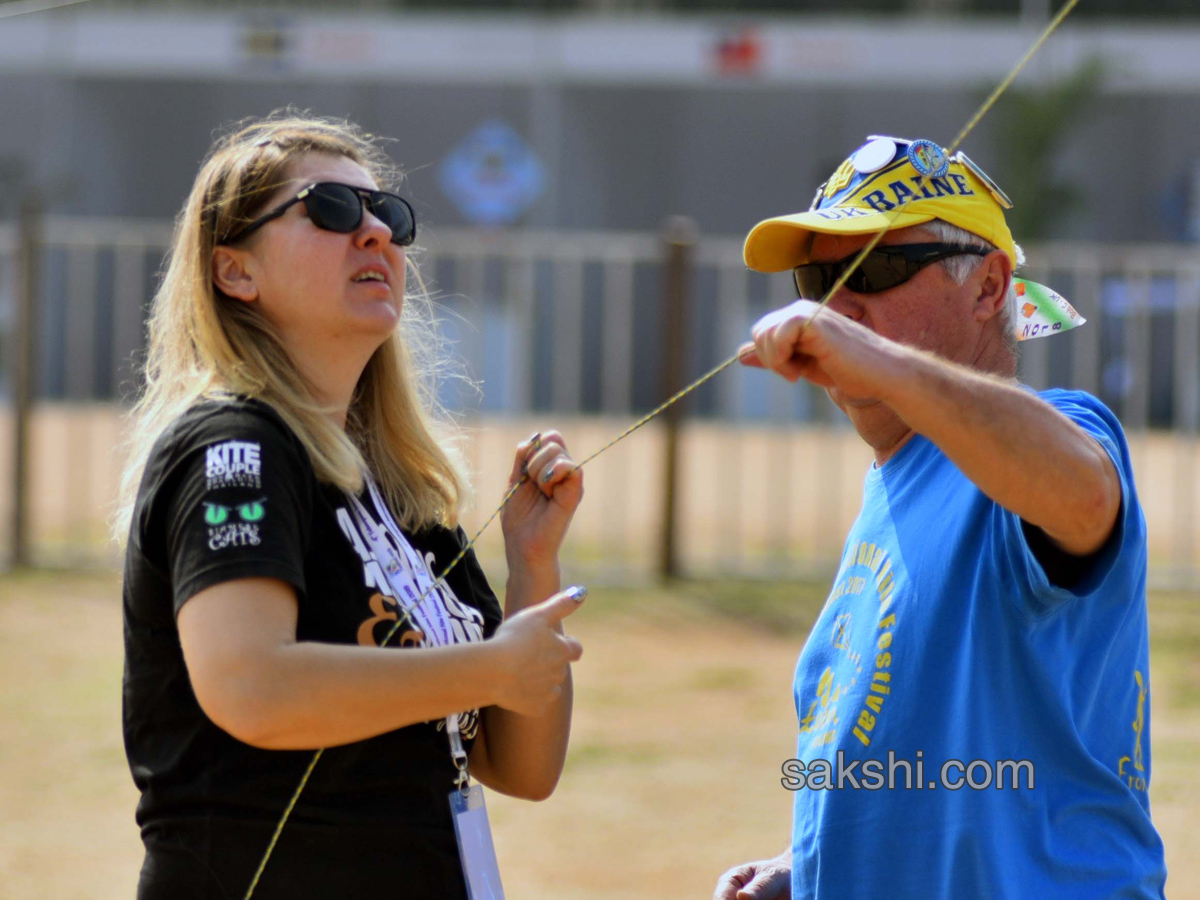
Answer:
(829, 350)
(767, 879)
(1014, 446)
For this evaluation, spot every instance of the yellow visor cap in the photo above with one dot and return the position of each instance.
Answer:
(887, 183)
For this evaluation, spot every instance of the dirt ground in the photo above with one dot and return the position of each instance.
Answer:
(683, 718)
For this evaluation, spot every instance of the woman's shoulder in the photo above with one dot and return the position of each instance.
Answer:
(223, 442)
(228, 436)
(211, 421)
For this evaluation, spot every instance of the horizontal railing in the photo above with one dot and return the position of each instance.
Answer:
(570, 326)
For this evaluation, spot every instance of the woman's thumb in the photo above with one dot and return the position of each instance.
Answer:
(562, 604)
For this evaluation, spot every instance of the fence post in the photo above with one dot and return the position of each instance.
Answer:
(28, 262)
(679, 237)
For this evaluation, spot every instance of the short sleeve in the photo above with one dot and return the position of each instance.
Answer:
(239, 505)
(1019, 544)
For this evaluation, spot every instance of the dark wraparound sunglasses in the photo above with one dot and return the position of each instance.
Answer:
(339, 207)
(883, 268)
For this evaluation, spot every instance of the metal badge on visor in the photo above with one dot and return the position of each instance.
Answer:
(993, 188)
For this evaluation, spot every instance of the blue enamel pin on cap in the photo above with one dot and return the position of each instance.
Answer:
(928, 159)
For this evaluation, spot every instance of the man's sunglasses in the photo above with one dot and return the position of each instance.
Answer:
(339, 207)
(883, 268)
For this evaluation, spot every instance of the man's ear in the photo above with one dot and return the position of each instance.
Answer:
(993, 277)
(231, 276)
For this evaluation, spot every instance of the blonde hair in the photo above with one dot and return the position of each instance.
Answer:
(203, 345)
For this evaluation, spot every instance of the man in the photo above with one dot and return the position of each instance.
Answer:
(988, 621)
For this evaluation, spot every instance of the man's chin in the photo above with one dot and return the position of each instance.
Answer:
(848, 403)
(861, 402)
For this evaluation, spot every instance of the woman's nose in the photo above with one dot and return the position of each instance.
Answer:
(372, 232)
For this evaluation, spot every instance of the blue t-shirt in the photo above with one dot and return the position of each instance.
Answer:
(943, 640)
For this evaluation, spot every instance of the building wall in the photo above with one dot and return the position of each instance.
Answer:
(121, 132)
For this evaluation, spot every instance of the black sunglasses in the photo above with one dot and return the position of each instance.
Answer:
(339, 207)
(883, 268)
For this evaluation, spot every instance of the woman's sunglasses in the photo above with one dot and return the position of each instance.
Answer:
(883, 268)
(339, 207)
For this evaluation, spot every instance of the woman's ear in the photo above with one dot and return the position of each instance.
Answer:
(993, 278)
(231, 276)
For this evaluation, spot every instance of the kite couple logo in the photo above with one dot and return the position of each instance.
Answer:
(233, 464)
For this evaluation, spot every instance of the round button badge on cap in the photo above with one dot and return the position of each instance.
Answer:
(874, 155)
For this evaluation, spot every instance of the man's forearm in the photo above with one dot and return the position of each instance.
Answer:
(1015, 447)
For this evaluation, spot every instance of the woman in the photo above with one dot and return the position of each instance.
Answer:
(288, 481)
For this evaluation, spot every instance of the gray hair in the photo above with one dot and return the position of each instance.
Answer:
(960, 268)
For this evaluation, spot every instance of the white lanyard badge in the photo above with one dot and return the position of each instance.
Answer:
(408, 579)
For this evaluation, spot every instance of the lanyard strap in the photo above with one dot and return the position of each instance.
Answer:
(402, 571)
(458, 754)
(416, 564)
(395, 567)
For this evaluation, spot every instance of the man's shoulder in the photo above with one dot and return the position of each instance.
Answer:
(1068, 400)
(1093, 416)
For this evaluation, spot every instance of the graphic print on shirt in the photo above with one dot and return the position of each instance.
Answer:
(233, 520)
(1136, 778)
(233, 464)
(437, 620)
(234, 525)
(852, 648)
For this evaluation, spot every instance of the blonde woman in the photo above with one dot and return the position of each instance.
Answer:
(289, 481)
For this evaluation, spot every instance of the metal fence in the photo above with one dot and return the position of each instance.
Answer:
(573, 327)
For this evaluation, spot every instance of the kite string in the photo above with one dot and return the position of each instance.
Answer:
(405, 610)
(950, 151)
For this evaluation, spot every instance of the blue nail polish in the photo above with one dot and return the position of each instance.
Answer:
(577, 592)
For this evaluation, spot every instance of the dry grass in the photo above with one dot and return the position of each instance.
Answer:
(683, 717)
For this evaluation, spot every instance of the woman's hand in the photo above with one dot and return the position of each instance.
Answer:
(536, 519)
(535, 656)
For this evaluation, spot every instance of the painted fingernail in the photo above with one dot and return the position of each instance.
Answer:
(577, 592)
(535, 439)
(548, 474)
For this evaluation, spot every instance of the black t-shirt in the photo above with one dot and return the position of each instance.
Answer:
(229, 492)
